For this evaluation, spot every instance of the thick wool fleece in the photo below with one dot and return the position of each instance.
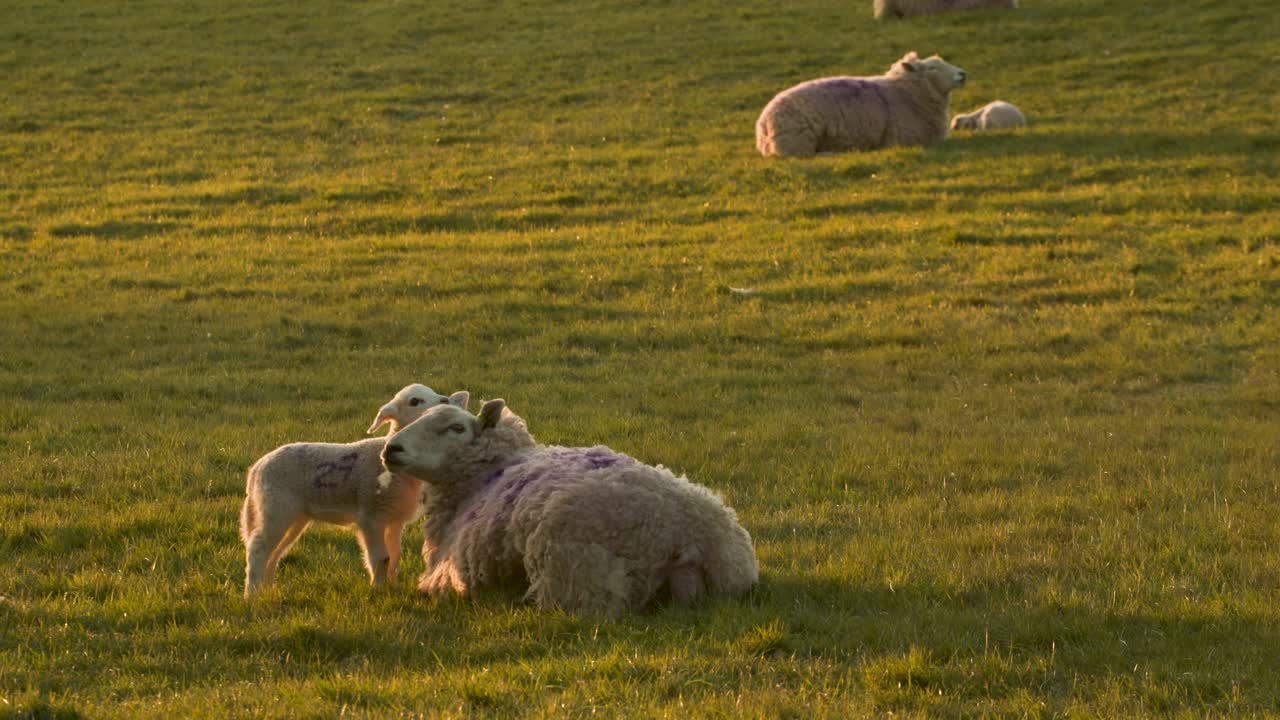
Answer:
(907, 8)
(582, 529)
(839, 114)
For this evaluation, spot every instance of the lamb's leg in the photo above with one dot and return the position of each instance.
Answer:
(259, 548)
(283, 547)
(392, 537)
(376, 558)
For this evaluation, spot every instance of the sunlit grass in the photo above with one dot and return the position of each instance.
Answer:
(1001, 414)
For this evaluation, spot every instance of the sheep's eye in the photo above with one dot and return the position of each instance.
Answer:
(415, 402)
(457, 428)
(444, 401)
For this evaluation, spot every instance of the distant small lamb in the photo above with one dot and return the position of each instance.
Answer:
(584, 530)
(908, 105)
(295, 484)
(995, 115)
(907, 8)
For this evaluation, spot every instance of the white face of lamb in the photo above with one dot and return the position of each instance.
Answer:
(407, 406)
(426, 445)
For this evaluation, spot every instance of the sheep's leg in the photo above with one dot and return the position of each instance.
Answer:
(392, 537)
(283, 547)
(376, 558)
(259, 548)
(579, 577)
(686, 584)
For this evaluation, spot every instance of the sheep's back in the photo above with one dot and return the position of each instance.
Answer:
(842, 112)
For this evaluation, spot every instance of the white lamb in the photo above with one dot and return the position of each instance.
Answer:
(585, 530)
(907, 8)
(906, 106)
(296, 484)
(995, 115)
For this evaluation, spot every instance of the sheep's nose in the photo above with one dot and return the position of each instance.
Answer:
(962, 75)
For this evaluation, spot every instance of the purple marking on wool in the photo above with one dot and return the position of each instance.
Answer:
(324, 478)
(593, 458)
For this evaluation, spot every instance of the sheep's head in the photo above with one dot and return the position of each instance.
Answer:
(939, 73)
(429, 444)
(411, 402)
(964, 122)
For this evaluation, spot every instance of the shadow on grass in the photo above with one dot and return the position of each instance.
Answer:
(1026, 644)
(1109, 145)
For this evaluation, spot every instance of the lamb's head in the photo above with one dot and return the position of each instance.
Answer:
(939, 73)
(411, 402)
(438, 439)
(965, 122)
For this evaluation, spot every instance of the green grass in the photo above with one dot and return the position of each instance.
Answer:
(1002, 415)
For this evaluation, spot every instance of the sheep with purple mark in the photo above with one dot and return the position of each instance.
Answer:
(295, 484)
(585, 530)
(908, 105)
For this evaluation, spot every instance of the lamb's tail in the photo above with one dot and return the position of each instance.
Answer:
(249, 511)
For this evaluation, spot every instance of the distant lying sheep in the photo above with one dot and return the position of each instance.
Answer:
(296, 484)
(906, 106)
(995, 115)
(581, 529)
(907, 8)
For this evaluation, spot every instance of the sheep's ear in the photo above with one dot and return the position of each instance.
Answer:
(460, 399)
(387, 414)
(491, 413)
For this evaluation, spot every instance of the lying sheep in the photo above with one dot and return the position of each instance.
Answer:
(906, 106)
(907, 8)
(296, 484)
(582, 529)
(995, 115)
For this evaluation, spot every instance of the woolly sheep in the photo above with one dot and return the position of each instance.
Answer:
(907, 8)
(585, 530)
(995, 115)
(295, 484)
(906, 106)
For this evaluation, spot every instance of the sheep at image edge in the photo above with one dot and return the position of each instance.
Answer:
(295, 484)
(907, 8)
(908, 105)
(586, 530)
(995, 115)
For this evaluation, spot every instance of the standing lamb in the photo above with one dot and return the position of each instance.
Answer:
(995, 115)
(906, 106)
(586, 530)
(907, 8)
(295, 484)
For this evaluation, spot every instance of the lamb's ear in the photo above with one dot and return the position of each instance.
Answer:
(491, 413)
(386, 414)
(460, 399)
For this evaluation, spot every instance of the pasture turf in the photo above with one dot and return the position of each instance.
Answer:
(1002, 415)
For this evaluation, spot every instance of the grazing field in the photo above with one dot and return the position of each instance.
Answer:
(1002, 415)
